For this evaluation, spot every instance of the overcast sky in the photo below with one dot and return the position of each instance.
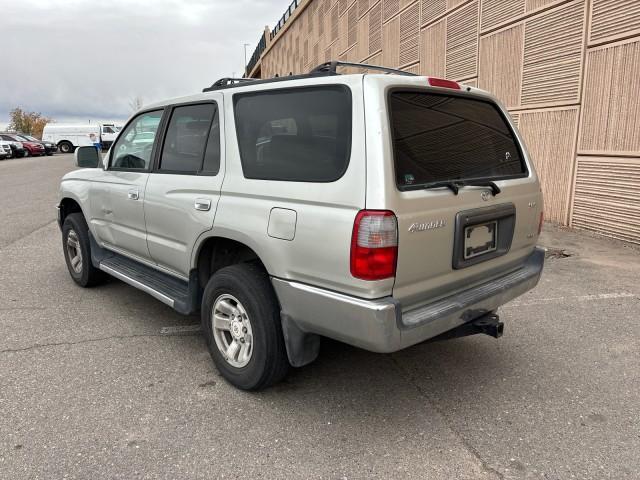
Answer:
(86, 59)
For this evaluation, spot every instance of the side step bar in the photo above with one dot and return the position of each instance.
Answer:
(184, 297)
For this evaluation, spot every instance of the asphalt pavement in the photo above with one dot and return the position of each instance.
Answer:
(110, 383)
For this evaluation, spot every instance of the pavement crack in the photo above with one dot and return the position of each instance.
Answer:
(16, 240)
(470, 448)
(80, 342)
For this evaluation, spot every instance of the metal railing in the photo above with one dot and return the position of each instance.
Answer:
(288, 12)
(262, 44)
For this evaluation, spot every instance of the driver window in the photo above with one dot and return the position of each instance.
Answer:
(133, 149)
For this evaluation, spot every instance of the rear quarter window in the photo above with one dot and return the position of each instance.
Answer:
(439, 137)
(298, 134)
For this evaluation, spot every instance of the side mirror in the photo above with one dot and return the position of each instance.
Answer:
(87, 157)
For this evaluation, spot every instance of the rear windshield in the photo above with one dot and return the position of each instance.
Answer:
(301, 134)
(439, 138)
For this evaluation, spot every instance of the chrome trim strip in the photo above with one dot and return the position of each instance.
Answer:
(135, 283)
(373, 304)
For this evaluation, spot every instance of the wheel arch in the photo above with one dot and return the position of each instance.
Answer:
(217, 250)
(68, 205)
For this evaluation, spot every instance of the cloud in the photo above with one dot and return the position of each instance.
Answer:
(82, 59)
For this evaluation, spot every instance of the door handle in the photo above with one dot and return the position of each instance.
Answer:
(203, 204)
(133, 195)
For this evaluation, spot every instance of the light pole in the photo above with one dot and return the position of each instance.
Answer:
(245, 58)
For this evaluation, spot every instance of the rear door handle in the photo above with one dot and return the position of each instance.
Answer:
(203, 204)
(133, 195)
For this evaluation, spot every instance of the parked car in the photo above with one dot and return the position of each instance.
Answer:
(5, 150)
(69, 137)
(17, 148)
(34, 149)
(377, 210)
(49, 147)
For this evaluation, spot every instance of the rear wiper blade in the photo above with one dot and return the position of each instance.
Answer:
(495, 189)
(456, 185)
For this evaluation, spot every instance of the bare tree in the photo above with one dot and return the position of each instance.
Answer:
(136, 103)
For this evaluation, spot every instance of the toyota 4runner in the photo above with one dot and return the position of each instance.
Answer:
(377, 209)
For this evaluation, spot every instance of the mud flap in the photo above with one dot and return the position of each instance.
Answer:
(302, 347)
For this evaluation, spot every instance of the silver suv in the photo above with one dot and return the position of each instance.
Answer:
(380, 210)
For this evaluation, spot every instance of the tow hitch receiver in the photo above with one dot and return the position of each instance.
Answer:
(489, 324)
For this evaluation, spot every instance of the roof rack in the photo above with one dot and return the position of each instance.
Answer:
(333, 65)
(227, 82)
(324, 69)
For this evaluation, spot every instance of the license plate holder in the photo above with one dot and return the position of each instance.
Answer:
(467, 221)
(480, 239)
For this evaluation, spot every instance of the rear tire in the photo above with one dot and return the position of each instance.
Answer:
(26, 154)
(246, 343)
(65, 147)
(77, 252)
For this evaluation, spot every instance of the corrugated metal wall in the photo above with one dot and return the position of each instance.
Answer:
(568, 70)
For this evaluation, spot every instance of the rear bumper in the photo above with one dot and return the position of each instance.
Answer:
(381, 325)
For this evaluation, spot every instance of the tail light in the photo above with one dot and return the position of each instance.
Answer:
(443, 83)
(374, 245)
(540, 222)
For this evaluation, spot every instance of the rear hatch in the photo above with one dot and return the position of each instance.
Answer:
(457, 177)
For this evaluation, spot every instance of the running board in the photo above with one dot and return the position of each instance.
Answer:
(182, 296)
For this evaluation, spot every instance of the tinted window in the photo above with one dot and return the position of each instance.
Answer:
(294, 135)
(439, 138)
(132, 150)
(187, 136)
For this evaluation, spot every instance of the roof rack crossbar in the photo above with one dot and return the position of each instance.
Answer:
(333, 65)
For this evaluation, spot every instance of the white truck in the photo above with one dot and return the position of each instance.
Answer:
(68, 137)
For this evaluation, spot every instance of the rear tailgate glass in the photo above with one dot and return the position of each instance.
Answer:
(439, 138)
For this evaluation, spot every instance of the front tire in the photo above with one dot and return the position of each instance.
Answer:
(241, 324)
(77, 251)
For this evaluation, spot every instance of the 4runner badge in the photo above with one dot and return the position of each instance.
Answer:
(421, 227)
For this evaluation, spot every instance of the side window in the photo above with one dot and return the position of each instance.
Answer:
(132, 150)
(107, 130)
(296, 135)
(192, 131)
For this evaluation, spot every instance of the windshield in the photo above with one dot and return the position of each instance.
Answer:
(442, 138)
